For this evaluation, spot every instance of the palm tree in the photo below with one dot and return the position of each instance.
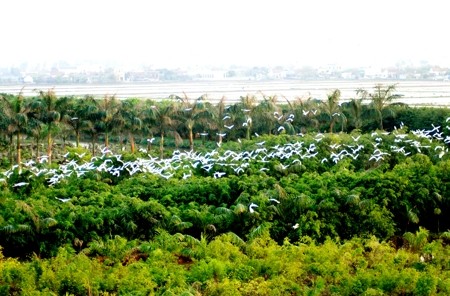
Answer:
(47, 105)
(417, 241)
(247, 105)
(356, 112)
(109, 112)
(132, 121)
(88, 119)
(380, 99)
(77, 115)
(63, 105)
(16, 114)
(268, 113)
(332, 108)
(162, 118)
(221, 116)
(36, 129)
(38, 226)
(304, 111)
(193, 113)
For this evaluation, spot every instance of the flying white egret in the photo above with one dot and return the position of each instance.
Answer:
(185, 176)
(218, 174)
(356, 138)
(251, 206)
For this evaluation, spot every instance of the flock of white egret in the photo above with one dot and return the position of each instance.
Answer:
(220, 162)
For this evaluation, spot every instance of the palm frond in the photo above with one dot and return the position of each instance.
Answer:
(259, 230)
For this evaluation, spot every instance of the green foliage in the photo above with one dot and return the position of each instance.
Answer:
(355, 227)
(261, 267)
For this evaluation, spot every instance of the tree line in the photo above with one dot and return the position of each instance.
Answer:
(46, 118)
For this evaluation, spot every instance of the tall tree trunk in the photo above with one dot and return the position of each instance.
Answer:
(161, 146)
(37, 149)
(10, 150)
(132, 143)
(332, 125)
(19, 156)
(120, 142)
(149, 144)
(49, 147)
(64, 143)
(380, 119)
(191, 140)
(77, 136)
(106, 139)
(93, 145)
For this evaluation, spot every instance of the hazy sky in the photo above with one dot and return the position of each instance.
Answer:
(194, 32)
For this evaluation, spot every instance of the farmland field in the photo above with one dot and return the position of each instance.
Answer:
(430, 93)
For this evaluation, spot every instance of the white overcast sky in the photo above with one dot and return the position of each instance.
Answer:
(201, 32)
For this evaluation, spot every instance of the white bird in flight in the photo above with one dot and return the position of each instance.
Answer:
(20, 184)
(251, 206)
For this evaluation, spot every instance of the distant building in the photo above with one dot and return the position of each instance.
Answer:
(28, 79)
(119, 75)
(372, 73)
(329, 69)
(210, 75)
(438, 73)
(348, 75)
(277, 73)
(143, 75)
